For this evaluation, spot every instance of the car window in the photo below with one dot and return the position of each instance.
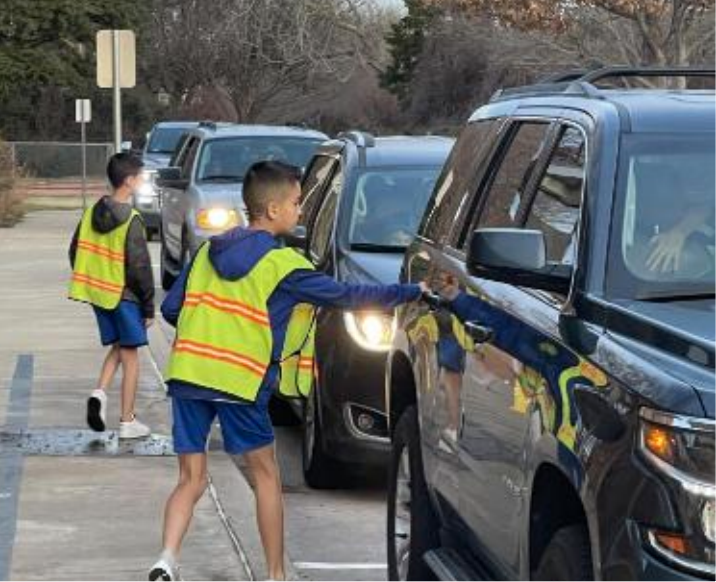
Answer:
(665, 222)
(387, 205)
(179, 151)
(229, 158)
(453, 186)
(189, 156)
(313, 186)
(507, 191)
(164, 139)
(325, 220)
(557, 203)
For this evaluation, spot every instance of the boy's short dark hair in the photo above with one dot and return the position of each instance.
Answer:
(265, 182)
(122, 166)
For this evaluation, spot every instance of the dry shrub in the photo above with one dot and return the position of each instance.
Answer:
(11, 199)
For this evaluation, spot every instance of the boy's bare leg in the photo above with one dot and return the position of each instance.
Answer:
(269, 507)
(109, 367)
(180, 505)
(130, 380)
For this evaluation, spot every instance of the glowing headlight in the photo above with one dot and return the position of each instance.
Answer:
(372, 331)
(217, 219)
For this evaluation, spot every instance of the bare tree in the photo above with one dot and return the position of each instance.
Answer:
(660, 32)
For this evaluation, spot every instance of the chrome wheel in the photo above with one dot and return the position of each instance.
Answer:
(403, 515)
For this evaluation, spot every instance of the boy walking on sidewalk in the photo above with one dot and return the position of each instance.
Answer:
(244, 323)
(112, 271)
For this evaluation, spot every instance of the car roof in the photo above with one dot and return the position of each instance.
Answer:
(226, 130)
(395, 150)
(657, 111)
(640, 110)
(176, 124)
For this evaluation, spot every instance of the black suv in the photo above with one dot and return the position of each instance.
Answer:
(552, 403)
(363, 199)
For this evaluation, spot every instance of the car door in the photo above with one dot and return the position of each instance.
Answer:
(436, 350)
(176, 204)
(479, 360)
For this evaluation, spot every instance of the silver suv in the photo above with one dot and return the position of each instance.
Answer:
(201, 192)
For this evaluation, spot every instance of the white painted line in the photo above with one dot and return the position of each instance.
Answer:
(337, 566)
(235, 542)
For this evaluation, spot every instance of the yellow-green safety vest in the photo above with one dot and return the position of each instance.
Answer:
(224, 339)
(98, 276)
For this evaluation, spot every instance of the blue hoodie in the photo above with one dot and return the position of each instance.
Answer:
(233, 255)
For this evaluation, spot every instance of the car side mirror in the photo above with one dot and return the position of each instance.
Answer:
(516, 256)
(297, 238)
(125, 146)
(171, 178)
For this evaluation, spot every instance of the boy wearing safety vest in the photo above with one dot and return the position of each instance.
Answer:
(245, 329)
(112, 271)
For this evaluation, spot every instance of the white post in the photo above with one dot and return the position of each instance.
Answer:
(117, 95)
(84, 165)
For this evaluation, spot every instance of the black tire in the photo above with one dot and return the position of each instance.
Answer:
(568, 556)
(320, 471)
(281, 413)
(167, 277)
(423, 523)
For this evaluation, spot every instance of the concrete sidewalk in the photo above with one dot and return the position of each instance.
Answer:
(77, 505)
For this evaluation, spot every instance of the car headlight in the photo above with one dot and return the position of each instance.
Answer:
(217, 219)
(682, 449)
(371, 330)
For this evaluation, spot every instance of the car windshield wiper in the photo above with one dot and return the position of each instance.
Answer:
(376, 248)
(221, 177)
(668, 297)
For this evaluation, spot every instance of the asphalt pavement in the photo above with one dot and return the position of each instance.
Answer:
(76, 505)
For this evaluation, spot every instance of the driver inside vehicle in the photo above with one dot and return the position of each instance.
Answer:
(669, 240)
(386, 220)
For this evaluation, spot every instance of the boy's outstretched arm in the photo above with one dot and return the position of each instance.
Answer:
(319, 289)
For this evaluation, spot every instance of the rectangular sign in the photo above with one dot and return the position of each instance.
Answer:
(127, 58)
(83, 110)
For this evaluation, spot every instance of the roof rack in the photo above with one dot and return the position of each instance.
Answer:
(609, 72)
(582, 83)
(362, 139)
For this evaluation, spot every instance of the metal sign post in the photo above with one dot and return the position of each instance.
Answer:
(116, 69)
(83, 115)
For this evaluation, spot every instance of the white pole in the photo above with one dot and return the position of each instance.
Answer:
(117, 95)
(84, 164)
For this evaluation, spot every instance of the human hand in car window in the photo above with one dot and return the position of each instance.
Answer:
(668, 247)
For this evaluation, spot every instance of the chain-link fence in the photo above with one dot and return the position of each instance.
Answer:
(60, 159)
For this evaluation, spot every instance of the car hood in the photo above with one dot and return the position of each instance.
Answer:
(371, 268)
(225, 195)
(684, 332)
(154, 161)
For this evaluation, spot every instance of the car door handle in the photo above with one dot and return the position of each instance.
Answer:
(479, 333)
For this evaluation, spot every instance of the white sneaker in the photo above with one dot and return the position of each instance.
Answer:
(97, 410)
(164, 570)
(133, 430)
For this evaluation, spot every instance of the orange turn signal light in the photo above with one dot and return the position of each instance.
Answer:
(658, 440)
(672, 542)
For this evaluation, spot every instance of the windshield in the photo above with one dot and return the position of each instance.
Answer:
(228, 159)
(388, 205)
(664, 246)
(164, 140)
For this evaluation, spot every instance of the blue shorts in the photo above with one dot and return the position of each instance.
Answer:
(451, 355)
(244, 427)
(123, 325)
